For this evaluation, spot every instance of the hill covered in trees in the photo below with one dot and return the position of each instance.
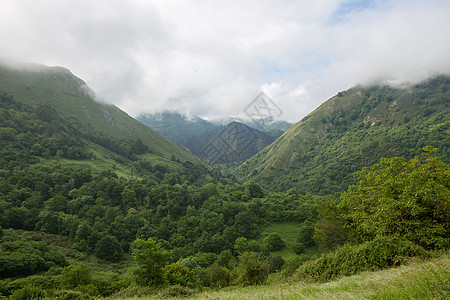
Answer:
(85, 213)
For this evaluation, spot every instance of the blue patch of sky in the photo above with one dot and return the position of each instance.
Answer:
(354, 6)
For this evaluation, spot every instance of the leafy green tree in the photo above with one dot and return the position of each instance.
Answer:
(177, 273)
(241, 245)
(108, 248)
(399, 197)
(329, 231)
(150, 258)
(305, 233)
(251, 270)
(75, 275)
(273, 242)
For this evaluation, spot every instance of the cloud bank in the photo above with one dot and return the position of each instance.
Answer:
(212, 58)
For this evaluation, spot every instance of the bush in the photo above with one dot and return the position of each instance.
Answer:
(251, 270)
(381, 253)
(177, 274)
(274, 263)
(28, 292)
(305, 234)
(108, 248)
(218, 276)
(70, 295)
(299, 248)
(291, 265)
(73, 276)
(273, 242)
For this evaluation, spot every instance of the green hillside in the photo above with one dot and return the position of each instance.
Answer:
(353, 130)
(36, 84)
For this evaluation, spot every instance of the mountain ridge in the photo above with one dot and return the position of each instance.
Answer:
(366, 123)
(73, 99)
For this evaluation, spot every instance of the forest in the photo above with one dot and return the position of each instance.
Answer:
(74, 232)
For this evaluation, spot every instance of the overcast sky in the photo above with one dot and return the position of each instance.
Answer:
(212, 58)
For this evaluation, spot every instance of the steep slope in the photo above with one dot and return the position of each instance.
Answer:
(353, 130)
(232, 142)
(37, 84)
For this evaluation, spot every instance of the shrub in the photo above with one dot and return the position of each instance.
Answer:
(251, 270)
(305, 234)
(177, 274)
(273, 242)
(292, 264)
(274, 263)
(75, 275)
(70, 295)
(381, 253)
(108, 248)
(299, 248)
(218, 276)
(28, 292)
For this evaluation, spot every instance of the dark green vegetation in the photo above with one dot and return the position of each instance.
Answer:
(214, 143)
(71, 230)
(354, 130)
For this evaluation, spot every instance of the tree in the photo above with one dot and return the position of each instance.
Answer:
(329, 231)
(273, 242)
(241, 245)
(398, 197)
(75, 275)
(108, 248)
(150, 258)
(305, 233)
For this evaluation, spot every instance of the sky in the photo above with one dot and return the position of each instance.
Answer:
(212, 58)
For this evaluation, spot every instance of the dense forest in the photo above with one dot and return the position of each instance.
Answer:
(77, 232)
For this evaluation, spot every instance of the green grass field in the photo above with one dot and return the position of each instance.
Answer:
(288, 232)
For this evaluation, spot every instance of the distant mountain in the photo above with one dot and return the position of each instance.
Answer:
(68, 98)
(197, 134)
(176, 127)
(232, 142)
(353, 130)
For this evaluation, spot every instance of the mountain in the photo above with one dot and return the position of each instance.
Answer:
(73, 101)
(232, 142)
(197, 134)
(176, 127)
(353, 130)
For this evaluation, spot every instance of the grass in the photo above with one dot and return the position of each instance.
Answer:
(107, 160)
(417, 280)
(288, 232)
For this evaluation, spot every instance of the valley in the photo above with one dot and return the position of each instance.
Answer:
(94, 204)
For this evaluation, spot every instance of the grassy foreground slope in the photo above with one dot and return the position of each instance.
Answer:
(36, 84)
(416, 280)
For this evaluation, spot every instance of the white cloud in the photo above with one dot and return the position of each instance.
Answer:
(214, 57)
